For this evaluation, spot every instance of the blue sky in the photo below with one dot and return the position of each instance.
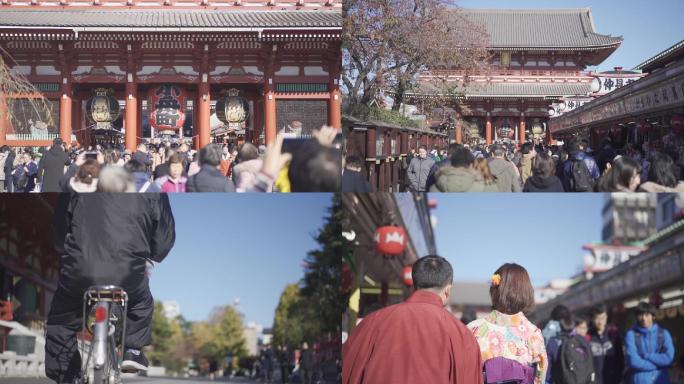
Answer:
(648, 26)
(246, 246)
(542, 232)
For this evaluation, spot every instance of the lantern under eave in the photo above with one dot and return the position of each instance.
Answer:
(232, 109)
(103, 109)
(390, 240)
(167, 107)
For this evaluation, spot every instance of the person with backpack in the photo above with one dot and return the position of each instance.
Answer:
(606, 346)
(580, 171)
(570, 357)
(24, 174)
(512, 348)
(649, 349)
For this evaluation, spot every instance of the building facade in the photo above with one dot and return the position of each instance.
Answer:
(165, 64)
(628, 218)
(539, 59)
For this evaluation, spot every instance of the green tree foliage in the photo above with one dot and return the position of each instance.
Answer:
(288, 322)
(321, 286)
(221, 336)
(166, 336)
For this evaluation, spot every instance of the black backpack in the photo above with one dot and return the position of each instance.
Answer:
(580, 178)
(21, 178)
(575, 363)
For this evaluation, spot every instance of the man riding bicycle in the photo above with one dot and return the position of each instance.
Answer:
(105, 239)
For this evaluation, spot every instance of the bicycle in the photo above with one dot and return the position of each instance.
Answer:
(107, 308)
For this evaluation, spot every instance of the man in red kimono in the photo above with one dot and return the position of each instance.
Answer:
(417, 341)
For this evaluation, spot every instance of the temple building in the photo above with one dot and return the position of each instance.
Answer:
(128, 70)
(539, 61)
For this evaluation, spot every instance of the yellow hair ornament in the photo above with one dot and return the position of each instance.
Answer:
(495, 280)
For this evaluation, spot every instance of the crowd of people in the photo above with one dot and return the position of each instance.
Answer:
(505, 167)
(312, 165)
(418, 341)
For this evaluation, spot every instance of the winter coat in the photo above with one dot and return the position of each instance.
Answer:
(140, 179)
(51, 168)
(107, 238)
(418, 172)
(436, 167)
(168, 185)
(353, 181)
(143, 158)
(507, 178)
(537, 183)
(588, 160)
(80, 187)
(526, 167)
(649, 366)
(450, 179)
(209, 179)
(608, 357)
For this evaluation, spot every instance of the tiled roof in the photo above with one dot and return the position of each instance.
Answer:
(516, 89)
(560, 28)
(675, 50)
(162, 18)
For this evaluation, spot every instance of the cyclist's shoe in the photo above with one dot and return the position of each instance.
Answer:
(134, 361)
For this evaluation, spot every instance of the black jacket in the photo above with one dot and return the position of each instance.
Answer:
(209, 179)
(51, 168)
(538, 183)
(353, 181)
(105, 238)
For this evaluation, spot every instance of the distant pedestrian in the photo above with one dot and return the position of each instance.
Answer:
(419, 169)
(51, 167)
(569, 353)
(606, 347)
(649, 349)
(553, 328)
(306, 364)
(543, 177)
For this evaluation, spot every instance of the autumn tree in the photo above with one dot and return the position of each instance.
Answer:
(387, 43)
(14, 88)
(220, 336)
(288, 323)
(166, 336)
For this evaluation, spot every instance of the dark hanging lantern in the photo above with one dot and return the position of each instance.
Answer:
(232, 109)
(102, 109)
(616, 130)
(677, 124)
(167, 107)
(602, 131)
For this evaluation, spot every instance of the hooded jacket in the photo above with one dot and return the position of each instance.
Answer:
(538, 183)
(507, 178)
(418, 172)
(450, 179)
(648, 365)
(51, 169)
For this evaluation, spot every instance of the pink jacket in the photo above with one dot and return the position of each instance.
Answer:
(168, 185)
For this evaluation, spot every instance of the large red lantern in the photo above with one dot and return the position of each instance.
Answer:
(408, 275)
(166, 104)
(643, 127)
(390, 240)
(616, 130)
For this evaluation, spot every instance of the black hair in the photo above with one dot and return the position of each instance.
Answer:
(663, 171)
(354, 161)
(559, 312)
(526, 148)
(135, 166)
(453, 148)
(644, 307)
(432, 272)
(462, 158)
(315, 168)
(619, 175)
(597, 310)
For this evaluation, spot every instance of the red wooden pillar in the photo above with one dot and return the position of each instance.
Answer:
(404, 147)
(4, 119)
(131, 116)
(76, 111)
(335, 100)
(65, 113)
(203, 115)
(488, 129)
(269, 105)
(258, 121)
(521, 134)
